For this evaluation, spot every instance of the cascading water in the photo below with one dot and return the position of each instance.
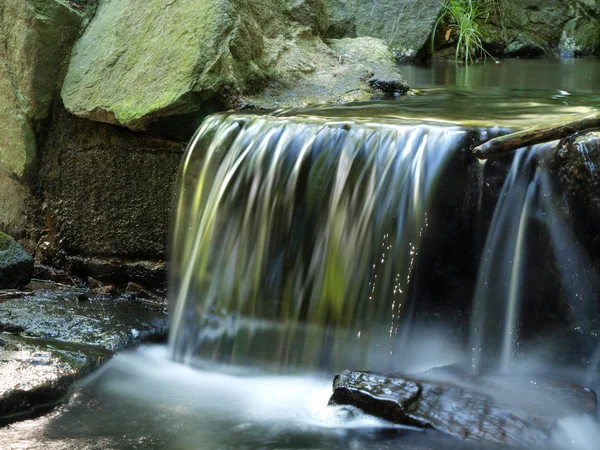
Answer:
(527, 196)
(296, 239)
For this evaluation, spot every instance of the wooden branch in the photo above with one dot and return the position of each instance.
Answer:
(509, 143)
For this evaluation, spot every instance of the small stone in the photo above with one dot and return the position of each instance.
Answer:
(93, 283)
(109, 289)
(16, 265)
(134, 287)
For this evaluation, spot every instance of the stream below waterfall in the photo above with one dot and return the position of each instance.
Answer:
(363, 236)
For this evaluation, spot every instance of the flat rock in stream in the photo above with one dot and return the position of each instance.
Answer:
(505, 410)
(52, 337)
(35, 374)
(77, 316)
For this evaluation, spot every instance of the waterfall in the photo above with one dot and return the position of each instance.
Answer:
(527, 198)
(296, 238)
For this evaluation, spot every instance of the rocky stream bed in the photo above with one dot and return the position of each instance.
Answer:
(53, 334)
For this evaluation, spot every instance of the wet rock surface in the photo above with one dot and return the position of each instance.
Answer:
(549, 28)
(577, 164)
(76, 316)
(34, 374)
(470, 411)
(54, 336)
(16, 265)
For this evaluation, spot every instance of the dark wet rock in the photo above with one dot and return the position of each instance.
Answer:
(477, 412)
(578, 165)
(52, 337)
(35, 374)
(151, 274)
(109, 323)
(43, 273)
(16, 265)
(108, 193)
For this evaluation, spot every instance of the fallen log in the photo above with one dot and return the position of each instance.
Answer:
(510, 142)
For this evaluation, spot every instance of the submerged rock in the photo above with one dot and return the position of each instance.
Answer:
(16, 265)
(510, 411)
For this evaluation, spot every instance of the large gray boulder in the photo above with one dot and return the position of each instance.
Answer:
(35, 38)
(16, 265)
(404, 25)
(141, 60)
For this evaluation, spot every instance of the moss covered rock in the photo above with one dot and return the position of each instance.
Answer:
(35, 37)
(16, 265)
(533, 28)
(580, 37)
(143, 60)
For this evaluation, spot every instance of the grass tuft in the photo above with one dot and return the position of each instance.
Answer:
(462, 17)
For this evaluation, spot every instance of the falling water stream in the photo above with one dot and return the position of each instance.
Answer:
(304, 237)
(311, 241)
